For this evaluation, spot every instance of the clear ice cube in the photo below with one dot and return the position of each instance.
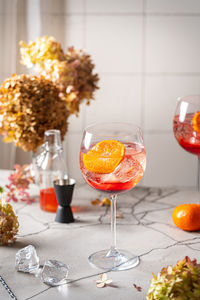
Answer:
(128, 169)
(26, 260)
(54, 273)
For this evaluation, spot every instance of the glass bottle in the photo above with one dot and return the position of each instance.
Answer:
(51, 166)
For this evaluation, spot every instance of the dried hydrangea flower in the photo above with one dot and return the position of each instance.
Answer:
(181, 281)
(8, 224)
(72, 72)
(30, 105)
(17, 189)
(43, 49)
(103, 281)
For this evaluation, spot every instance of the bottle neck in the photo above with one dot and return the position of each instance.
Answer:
(52, 141)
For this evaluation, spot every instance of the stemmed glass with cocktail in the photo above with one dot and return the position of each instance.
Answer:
(113, 160)
(186, 126)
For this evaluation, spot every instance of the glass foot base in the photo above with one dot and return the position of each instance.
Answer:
(121, 260)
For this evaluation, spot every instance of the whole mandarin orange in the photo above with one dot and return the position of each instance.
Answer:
(187, 217)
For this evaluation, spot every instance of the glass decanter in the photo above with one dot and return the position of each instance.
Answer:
(50, 166)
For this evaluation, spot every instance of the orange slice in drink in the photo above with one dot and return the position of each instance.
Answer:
(196, 122)
(104, 157)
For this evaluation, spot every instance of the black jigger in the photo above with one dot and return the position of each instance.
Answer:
(64, 191)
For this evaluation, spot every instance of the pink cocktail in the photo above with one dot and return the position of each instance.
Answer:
(126, 175)
(113, 160)
(185, 134)
(186, 126)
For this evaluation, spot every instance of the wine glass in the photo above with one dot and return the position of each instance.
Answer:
(186, 126)
(113, 160)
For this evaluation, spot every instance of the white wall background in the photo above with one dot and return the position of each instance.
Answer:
(147, 53)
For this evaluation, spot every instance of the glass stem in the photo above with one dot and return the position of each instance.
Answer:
(113, 250)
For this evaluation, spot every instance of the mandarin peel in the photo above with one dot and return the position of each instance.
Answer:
(104, 157)
(187, 217)
(196, 122)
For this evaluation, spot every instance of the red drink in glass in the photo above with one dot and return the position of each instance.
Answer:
(48, 199)
(125, 176)
(113, 160)
(186, 136)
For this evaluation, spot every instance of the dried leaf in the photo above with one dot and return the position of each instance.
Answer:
(138, 288)
(106, 202)
(96, 202)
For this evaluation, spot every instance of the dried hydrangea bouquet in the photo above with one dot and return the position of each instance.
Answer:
(63, 83)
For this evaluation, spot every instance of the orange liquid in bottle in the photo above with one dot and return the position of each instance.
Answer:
(48, 201)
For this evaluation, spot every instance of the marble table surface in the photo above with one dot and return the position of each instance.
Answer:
(145, 229)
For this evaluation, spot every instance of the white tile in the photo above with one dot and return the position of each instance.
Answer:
(115, 42)
(74, 32)
(161, 93)
(68, 30)
(118, 99)
(74, 6)
(113, 6)
(54, 26)
(76, 123)
(71, 147)
(173, 6)
(172, 44)
(167, 163)
(62, 6)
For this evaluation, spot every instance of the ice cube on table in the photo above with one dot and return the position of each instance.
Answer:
(26, 260)
(54, 273)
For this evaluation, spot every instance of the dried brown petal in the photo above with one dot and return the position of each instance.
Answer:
(106, 202)
(138, 288)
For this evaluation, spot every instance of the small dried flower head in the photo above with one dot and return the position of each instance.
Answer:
(103, 281)
(20, 179)
(8, 224)
(30, 105)
(181, 281)
(72, 73)
(43, 49)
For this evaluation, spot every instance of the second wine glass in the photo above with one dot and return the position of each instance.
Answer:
(113, 160)
(186, 126)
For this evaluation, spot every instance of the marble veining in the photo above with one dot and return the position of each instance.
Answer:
(144, 228)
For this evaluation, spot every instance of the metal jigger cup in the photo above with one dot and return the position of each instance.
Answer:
(64, 190)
